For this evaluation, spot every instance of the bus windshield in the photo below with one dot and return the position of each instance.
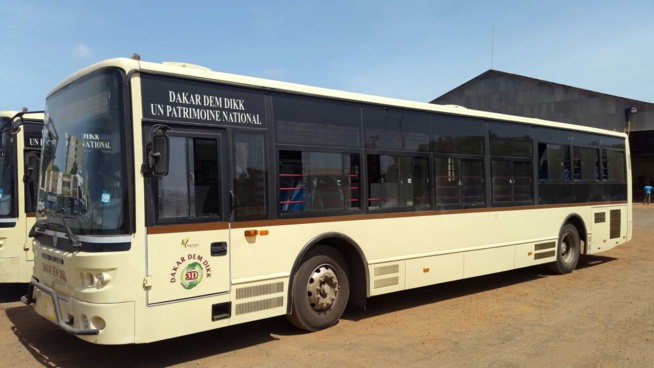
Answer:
(82, 177)
(7, 171)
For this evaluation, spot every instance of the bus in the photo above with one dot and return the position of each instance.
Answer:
(174, 199)
(19, 155)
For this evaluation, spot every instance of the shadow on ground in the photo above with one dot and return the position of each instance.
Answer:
(53, 347)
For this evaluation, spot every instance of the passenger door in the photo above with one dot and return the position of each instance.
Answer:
(188, 246)
(31, 163)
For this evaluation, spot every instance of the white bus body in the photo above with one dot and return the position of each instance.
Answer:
(282, 199)
(17, 195)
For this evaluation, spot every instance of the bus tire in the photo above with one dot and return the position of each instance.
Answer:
(568, 251)
(321, 290)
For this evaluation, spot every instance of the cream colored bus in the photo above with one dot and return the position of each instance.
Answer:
(174, 199)
(19, 155)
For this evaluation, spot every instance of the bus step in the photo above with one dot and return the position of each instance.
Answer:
(220, 311)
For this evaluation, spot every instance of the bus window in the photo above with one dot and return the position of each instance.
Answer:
(586, 163)
(459, 182)
(510, 139)
(397, 181)
(320, 122)
(250, 177)
(318, 181)
(395, 129)
(554, 162)
(7, 175)
(191, 190)
(615, 165)
(511, 182)
(451, 134)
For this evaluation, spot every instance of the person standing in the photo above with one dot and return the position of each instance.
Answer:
(648, 194)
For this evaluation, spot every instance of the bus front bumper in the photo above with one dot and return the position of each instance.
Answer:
(51, 309)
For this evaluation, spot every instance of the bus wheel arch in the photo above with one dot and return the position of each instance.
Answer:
(330, 258)
(576, 221)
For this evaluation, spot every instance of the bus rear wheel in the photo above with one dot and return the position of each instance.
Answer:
(568, 251)
(321, 290)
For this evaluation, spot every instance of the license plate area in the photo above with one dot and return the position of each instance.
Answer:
(49, 308)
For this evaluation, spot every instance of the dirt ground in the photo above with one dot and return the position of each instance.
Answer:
(601, 315)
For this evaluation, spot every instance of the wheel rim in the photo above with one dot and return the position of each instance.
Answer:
(322, 288)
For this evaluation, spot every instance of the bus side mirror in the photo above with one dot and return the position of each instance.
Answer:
(32, 167)
(160, 147)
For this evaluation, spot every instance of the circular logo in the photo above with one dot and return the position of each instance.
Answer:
(105, 198)
(192, 275)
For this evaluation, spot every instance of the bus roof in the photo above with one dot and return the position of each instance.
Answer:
(201, 73)
(7, 113)
(31, 114)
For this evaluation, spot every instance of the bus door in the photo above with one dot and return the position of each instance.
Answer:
(30, 179)
(188, 247)
(32, 143)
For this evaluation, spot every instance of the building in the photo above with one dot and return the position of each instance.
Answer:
(513, 94)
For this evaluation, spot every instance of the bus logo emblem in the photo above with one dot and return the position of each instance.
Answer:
(185, 243)
(189, 270)
(191, 275)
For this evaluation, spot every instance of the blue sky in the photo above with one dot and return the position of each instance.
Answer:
(410, 49)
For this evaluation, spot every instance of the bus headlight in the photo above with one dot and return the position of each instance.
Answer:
(98, 322)
(98, 280)
(84, 322)
(103, 279)
(88, 279)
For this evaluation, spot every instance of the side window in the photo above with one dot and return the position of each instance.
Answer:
(452, 134)
(553, 162)
(511, 149)
(8, 202)
(395, 129)
(30, 186)
(614, 186)
(313, 182)
(459, 182)
(511, 182)
(32, 141)
(315, 121)
(192, 189)
(554, 174)
(250, 177)
(397, 181)
(586, 164)
(510, 139)
(614, 166)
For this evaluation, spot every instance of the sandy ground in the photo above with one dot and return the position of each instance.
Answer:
(601, 315)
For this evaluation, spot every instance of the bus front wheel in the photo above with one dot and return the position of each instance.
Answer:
(321, 290)
(568, 251)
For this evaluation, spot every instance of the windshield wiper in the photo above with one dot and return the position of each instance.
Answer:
(74, 239)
